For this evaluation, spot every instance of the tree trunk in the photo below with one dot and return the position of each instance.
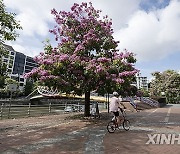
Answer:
(87, 104)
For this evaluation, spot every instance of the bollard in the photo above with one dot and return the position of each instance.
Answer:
(49, 107)
(9, 110)
(2, 110)
(29, 107)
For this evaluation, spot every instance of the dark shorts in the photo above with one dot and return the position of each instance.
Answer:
(116, 114)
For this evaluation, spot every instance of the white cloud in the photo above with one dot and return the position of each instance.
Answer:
(35, 17)
(152, 35)
(36, 20)
(119, 10)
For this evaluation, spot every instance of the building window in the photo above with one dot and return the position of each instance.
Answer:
(21, 84)
(11, 61)
(9, 70)
(13, 77)
(5, 60)
(10, 65)
(6, 56)
(22, 79)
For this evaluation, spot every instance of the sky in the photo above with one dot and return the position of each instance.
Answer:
(148, 28)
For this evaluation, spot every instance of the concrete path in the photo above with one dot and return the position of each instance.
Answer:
(73, 134)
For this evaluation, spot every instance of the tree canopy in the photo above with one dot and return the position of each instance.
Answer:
(86, 57)
(8, 27)
(167, 82)
(8, 24)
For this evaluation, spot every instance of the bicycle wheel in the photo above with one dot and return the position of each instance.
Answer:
(111, 127)
(126, 125)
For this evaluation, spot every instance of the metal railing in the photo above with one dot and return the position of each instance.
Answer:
(10, 111)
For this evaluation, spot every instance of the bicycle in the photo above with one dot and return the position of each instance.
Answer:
(113, 125)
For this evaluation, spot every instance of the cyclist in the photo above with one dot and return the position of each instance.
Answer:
(114, 107)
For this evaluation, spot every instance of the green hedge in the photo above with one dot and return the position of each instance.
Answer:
(4, 93)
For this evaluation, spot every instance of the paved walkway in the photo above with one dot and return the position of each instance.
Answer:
(72, 134)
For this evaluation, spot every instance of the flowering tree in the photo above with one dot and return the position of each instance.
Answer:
(86, 58)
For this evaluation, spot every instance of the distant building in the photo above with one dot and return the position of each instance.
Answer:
(141, 82)
(17, 65)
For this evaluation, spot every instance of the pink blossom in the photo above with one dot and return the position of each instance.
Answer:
(48, 61)
(80, 47)
(43, 73)
(53, 11)
(99, 69)
(103, 59)
(63, 57)
(119, 81)
(43, 78)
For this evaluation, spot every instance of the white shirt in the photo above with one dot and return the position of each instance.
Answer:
(114, 104)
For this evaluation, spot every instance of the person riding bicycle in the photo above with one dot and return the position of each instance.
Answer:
(114, 107)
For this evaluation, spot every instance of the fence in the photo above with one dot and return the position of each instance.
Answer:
(148, 101)
(8, 110)
(11, 111)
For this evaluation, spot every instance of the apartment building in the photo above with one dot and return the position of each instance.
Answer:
(141, 82)
(17, 65)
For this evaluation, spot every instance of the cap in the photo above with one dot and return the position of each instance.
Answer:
(115, 93)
